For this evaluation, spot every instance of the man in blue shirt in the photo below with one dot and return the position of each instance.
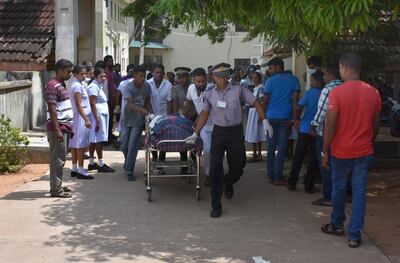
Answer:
(281, 96)
(307, 141)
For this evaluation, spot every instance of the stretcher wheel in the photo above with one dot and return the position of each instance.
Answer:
(198, 194)
(149, 195)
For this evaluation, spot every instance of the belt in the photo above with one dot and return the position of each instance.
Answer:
(228, 128)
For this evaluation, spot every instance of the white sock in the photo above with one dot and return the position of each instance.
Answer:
(91, 161)
(82, 171)
(101, 162)
(74, 167)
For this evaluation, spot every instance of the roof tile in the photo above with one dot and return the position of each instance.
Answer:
(26, 29)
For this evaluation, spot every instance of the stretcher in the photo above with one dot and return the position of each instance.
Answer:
(154, 169)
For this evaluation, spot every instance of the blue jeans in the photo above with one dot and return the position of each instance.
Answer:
(325, 174)
(130, 143)
(278, 142)
(341, 170)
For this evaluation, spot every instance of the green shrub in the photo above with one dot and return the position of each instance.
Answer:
(13, 147)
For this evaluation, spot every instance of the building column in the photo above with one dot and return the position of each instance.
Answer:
(66, 29)
(99, 28)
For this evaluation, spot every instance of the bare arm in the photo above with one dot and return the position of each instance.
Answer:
(201, 121)
(376, 123)
(175, 105)
(148, 105)
(260, 110)
(117, 97)
(295, 100)
(78, 99)
(93, 100)
(266, 102)
(54, 121)
(132, 107)
(329, 131)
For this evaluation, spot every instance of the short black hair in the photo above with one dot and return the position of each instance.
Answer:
(158, 66)
(137, 69)
(107, 58)
(259, 75)
(351, 60)
(78, 69)
(319, 76)
(130, 67)
(98, 71)
(277, 61)
(63, 64)
(334, 70)
(87, 63)
(316, 60)
(199, 72)
(100, 64)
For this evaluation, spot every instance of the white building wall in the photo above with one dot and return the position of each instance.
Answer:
(191, 51)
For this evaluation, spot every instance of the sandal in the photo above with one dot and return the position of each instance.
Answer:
(332, 230)
(355, 243)
(321, 202)
(67, 189)
(61, 195)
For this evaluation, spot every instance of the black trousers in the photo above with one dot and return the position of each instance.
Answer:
(305, 144)
(231, 140)
(160, 158)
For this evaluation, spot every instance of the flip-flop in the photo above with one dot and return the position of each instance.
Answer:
(355, 243)
(321, 202)
(332, 230)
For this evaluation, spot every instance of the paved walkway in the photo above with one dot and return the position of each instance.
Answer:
(110, 220)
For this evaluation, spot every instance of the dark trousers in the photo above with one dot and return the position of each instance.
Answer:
(111, 107)
(156, 157)
(305, 144)
(231, 140)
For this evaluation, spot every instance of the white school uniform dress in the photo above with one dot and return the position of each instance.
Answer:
(206, 132)
(160, 96)
(96, 89)
(255, 132)
(81, 135)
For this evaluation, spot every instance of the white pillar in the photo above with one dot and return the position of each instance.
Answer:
(66, 30)
(99, 28)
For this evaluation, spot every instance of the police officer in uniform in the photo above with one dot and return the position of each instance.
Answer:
(224, 102)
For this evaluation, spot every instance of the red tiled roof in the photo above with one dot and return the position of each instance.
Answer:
(26, 30)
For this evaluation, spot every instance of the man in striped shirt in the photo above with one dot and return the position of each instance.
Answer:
(59, 125)
(332, 77)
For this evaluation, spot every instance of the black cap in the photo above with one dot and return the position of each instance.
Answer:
(130, 67)
(182, 70)
(222, 70)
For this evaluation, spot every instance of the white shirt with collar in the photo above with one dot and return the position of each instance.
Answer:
(198, 101)
(160, 96)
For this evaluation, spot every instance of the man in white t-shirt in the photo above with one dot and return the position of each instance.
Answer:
(194, 98)
(161, 97)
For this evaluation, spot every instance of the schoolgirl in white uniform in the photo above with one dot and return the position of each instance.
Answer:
(255, 132)
(99, 119)
(81, 122)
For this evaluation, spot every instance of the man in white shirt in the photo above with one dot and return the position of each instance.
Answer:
(161, 97)
(194, 98)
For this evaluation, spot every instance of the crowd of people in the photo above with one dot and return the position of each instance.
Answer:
(334, 123)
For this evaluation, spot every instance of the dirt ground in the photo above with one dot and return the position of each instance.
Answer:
(383, 205)
(383, 210)
(31, 172)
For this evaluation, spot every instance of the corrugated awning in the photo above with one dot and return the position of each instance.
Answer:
(150, 45)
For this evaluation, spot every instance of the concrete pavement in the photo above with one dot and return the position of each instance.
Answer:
(109, 220)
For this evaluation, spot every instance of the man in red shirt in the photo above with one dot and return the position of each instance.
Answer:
(352, 125)
(112, 91)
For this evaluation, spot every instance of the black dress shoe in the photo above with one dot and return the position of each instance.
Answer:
(84, 177)
(74, 174)
(94, 166)
(215, 213)
(105, 169)
(228, 191)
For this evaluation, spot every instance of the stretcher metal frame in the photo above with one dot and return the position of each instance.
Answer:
(152, 166)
